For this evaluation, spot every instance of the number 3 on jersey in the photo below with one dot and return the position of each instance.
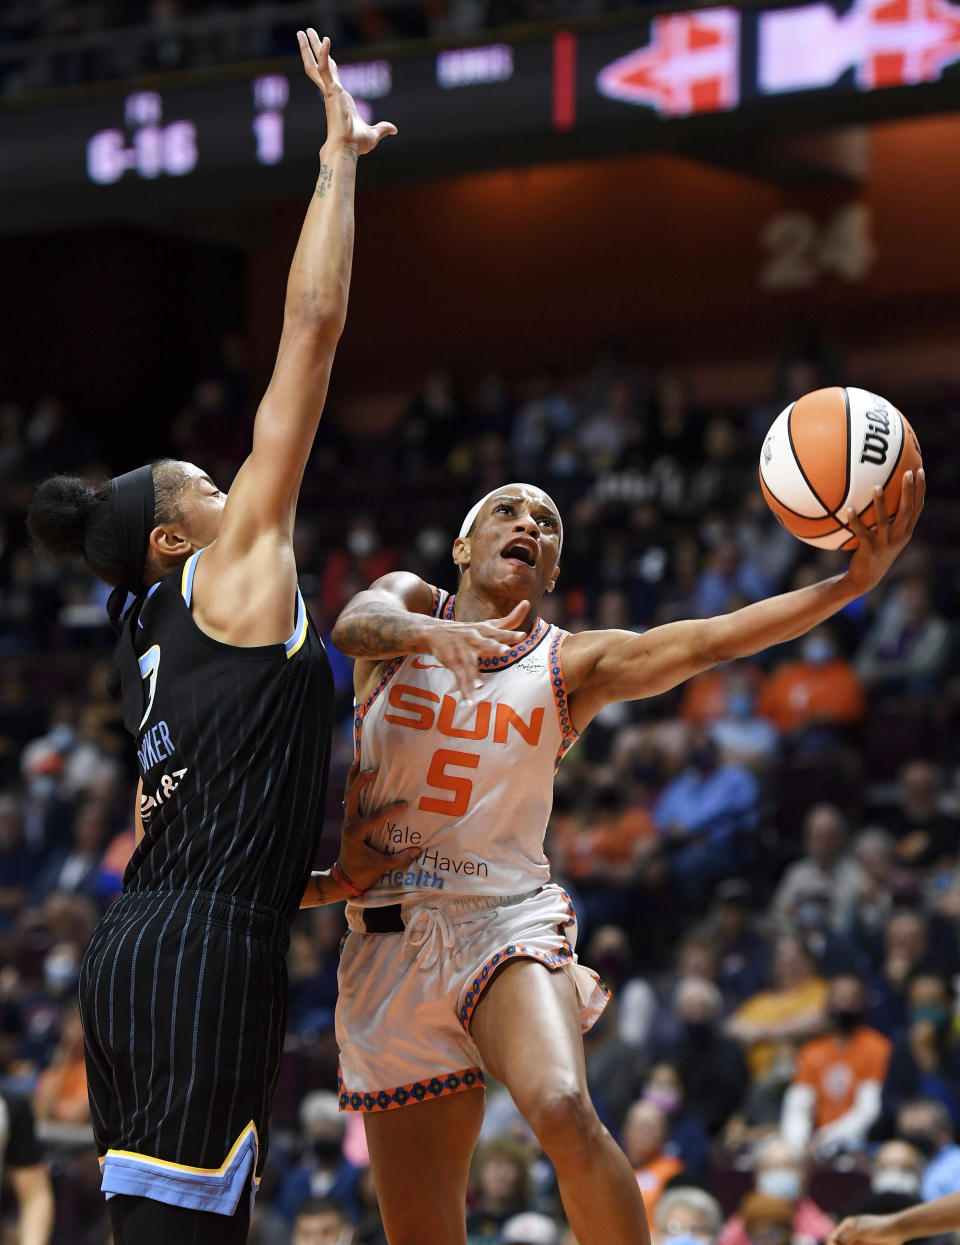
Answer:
(438, 778)
(149, 665)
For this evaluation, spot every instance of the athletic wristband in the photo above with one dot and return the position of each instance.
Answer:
(344, 882)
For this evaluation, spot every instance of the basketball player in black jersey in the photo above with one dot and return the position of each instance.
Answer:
(227, 690)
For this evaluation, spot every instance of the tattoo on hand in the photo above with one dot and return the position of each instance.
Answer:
(326, 179)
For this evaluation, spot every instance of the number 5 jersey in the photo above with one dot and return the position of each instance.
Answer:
(477, 779)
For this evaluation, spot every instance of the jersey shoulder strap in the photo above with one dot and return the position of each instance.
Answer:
(440, 600)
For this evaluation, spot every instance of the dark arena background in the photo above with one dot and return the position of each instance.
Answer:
(607, 247)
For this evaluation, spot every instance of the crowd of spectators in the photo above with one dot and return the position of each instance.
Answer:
(765, 863)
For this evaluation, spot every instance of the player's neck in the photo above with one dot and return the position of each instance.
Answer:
(473, 605)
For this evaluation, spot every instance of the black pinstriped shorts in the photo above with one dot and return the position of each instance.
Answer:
(183, 996)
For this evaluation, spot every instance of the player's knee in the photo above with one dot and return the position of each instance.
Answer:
(566, 1123)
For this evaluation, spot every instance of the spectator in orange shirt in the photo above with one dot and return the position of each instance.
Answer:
(607, 847)
(61, 1092)
(820, 689)
(645, 1133)
(705, 698)
(836, 1091)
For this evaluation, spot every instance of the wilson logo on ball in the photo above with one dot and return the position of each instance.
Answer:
(876, 442)
(825, 454)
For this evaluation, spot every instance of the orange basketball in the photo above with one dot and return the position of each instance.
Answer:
(825, 453)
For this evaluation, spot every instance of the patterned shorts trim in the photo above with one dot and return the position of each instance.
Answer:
(418, 1091)
(516, 951)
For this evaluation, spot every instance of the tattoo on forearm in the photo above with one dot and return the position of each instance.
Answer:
(380, 631)
(326, 179)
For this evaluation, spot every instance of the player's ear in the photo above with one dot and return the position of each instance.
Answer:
(461, 552)
(169, 541)
(553, 579)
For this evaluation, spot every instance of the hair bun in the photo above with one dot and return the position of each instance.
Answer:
(58, 514)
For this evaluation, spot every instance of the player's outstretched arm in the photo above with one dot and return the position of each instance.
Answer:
(263, 496)
(606, 666)
(393, 617)
(942, 1215)
(359, 864)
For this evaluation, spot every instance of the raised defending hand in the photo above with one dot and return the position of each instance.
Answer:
(879, 547)
(344, 123)
(358, 859)
(458, 646)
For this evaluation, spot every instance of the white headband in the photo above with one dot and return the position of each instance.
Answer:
(474, 510)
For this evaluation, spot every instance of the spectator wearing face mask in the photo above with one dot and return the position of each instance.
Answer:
(927, 1126)
(687, 1216)
(323, 1171)
(780, 1172)
(926, 1059)
(711, 1065)
(688, 1138)
(817, 695)
(895, 1176)
(835, 1096)
(608, 952)
(743, 736)
(826, 865)
(913, 945)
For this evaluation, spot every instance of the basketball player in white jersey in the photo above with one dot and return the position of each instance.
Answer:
(463, 959)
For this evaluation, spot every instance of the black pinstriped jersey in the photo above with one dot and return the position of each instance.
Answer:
(233, 748)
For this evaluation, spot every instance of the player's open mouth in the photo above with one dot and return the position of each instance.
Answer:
(520, 553)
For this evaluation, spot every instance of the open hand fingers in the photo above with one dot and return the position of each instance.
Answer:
(308, 58)
(321, 69)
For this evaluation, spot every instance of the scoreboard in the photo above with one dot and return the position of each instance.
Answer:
(643, 81)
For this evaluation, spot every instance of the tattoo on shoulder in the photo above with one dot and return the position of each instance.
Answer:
(326, 179)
